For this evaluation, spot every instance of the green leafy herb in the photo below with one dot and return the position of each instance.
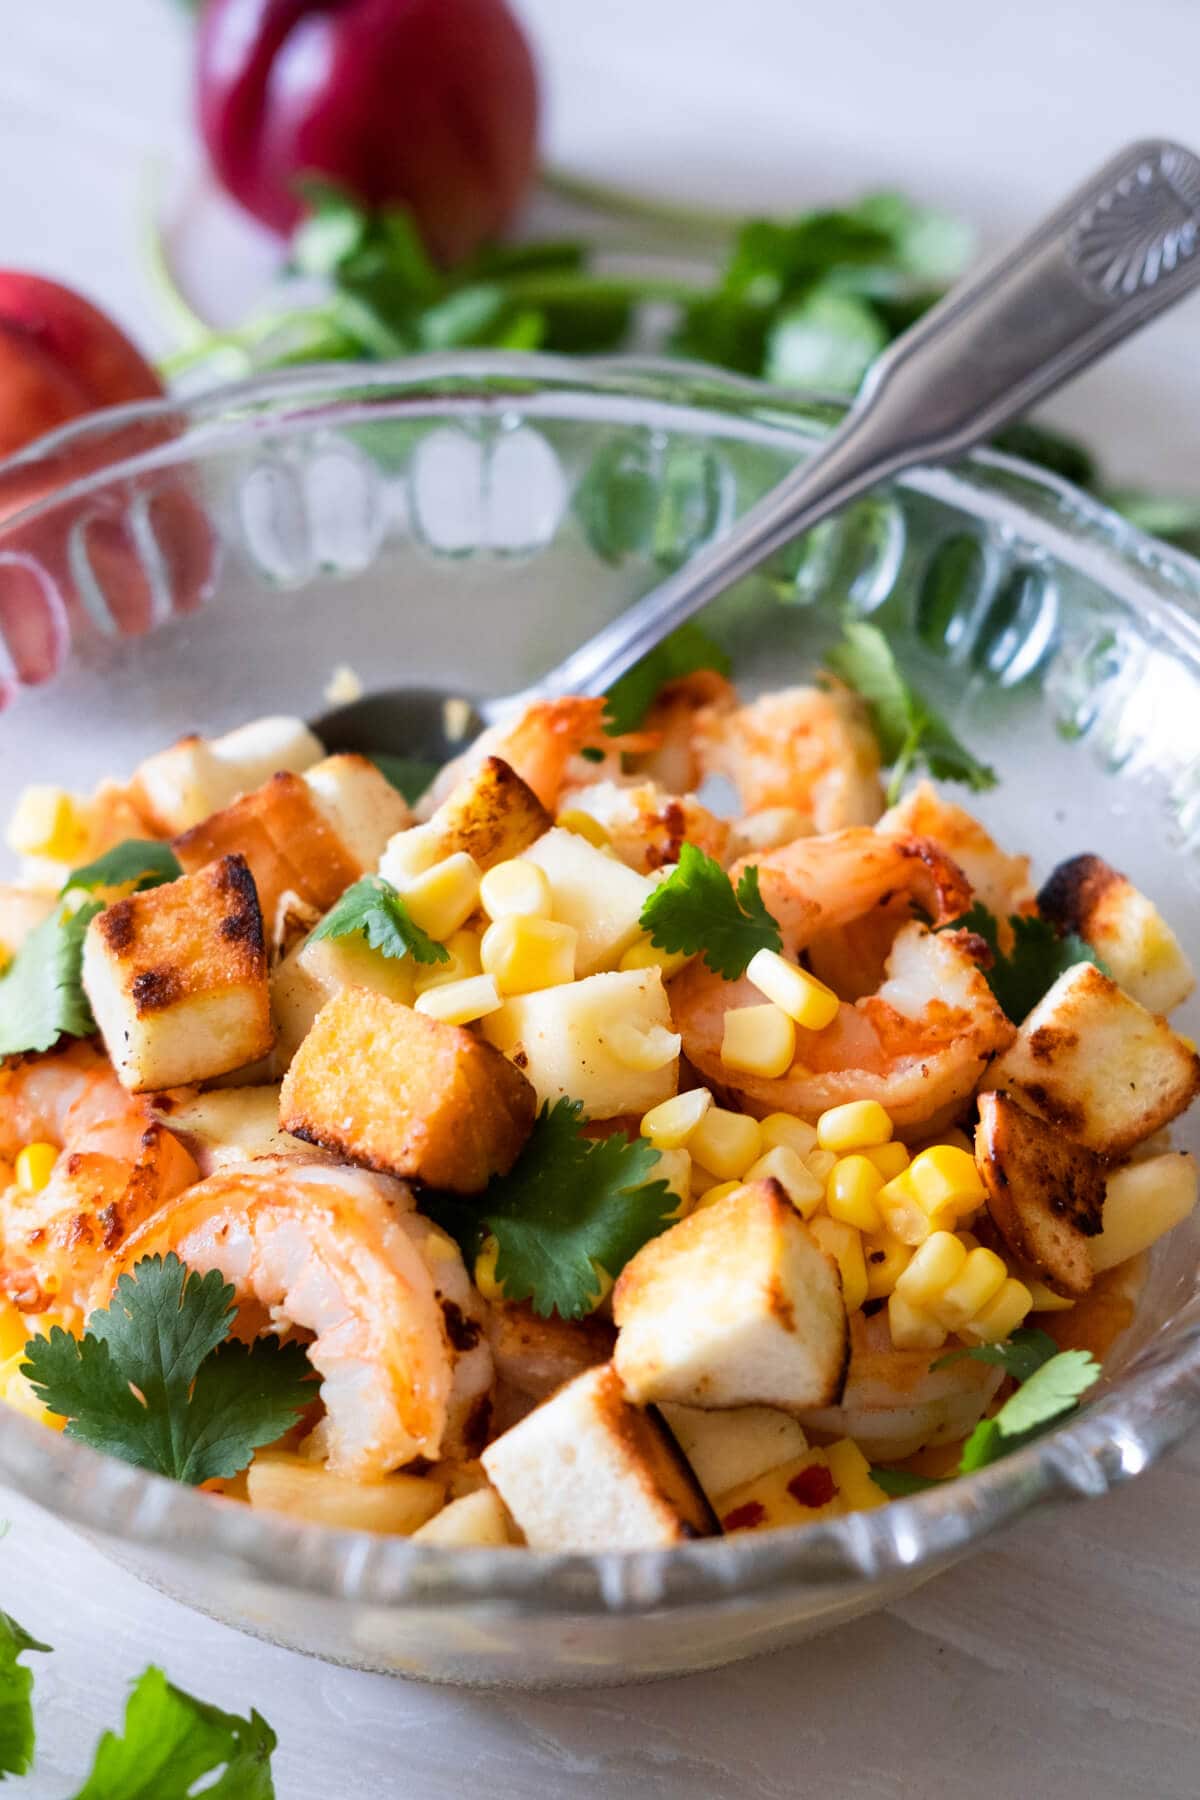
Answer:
(696, 909)
(570, 1206)
(16, 1690)
(143, 861)
(898, 1484)
(157, 1381)
(685, 651)
(908, 728)
(172, 1741)
(1051, 1392)
(407, 774)
(374, 909)
(41, 993)
(1025, 1352)
(1037, 959)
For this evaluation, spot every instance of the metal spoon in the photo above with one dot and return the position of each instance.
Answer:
(1120, 250)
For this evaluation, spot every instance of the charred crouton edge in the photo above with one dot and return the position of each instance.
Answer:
(491, 815)
(1088, 896)
(1045, 1194)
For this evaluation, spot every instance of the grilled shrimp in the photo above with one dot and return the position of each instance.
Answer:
(540, 746)
(674, 761)
(1001, 882)
(646, 826)
(921, 1036)
(808, 748)
(894, 1404)
(117, 1164)
(397, 1333)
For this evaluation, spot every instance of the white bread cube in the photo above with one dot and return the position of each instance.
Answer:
(1094, 1063)
(177, 979)
(1126, 930)
(319, 968)
(737, 1305)
(228, 1127)
(477, 1521)
(178, 787)
(359, 804)
(727, 1448)
(601, 897)
(588, 1471)
(566, 1040)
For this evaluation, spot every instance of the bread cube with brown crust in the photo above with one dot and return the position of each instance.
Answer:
(737, 1305)
(588, 1471)
(1096, 1065)
(1138, 947)
(490, 814)
(1045, 1194)
(177, 979)
(394, 1090)
(183, 784)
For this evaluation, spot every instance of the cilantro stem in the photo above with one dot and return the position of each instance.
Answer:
(571, 288)
(598, 196)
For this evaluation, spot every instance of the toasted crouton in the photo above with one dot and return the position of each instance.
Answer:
(228, 1127)
(1094, 1063)
(396, 1091)
(319, 968)
(1045, 1194)
(195, 777)
(737, 1305)
(726, 1449)
(1141, 952)
(588, 1471)
(177, 979)
(492, 814)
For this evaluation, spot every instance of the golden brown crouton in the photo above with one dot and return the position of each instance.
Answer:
(395, 1091)
(492, 814)
(1094, 1063)
(1045, 1194)
(1142, 953)
(177, 979)
(183, 784)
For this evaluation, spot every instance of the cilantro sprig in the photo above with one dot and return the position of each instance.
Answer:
(146, 862)
(683, 653)
(41, 992)
(373, 909)
(16, 1697)
(1038, 957)
(157, 1380)
(698, 909)
(909, 730)
(170, 1741)
(570, 1207)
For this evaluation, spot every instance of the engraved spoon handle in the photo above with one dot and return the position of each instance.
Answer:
(1119, 251)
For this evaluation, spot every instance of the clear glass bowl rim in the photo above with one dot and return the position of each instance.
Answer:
(1156, 1399)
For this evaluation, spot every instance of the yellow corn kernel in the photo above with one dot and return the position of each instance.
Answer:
(485, 1270)
(785, 1128)
(643, 1047)
(805, 999)
(671, 1123)
(844, 1244)
(720, 1191)
(48, 822)
(16, 1392)
(890, 1159)
(760, 1040)
(463, 949)
(978, 1282)
(643, 955)
(911, 1328)
(858, 1125)
(947, 1183)
(1043, 1298)
(34, 1167)
(584, 826)
(675, 1168)
(460, 1002)
(821, 1163)
(886, 1259)
(782, 1164)
(939, 1261)
(527, 954)
(445, 896)
(852, 1473)
(6, 957)
(1000, 1317)
(604, 1287)
(726, 1143)
(515, 889)
(902, 1211)
(15, 1331)
(850, 1193)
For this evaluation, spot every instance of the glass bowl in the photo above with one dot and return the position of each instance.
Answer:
(466, 521)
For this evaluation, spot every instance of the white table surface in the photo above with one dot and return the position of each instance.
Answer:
(1062, 1660)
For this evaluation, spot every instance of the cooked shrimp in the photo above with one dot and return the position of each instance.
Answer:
(397, 1338)
(540, 746)
(674, 762)
(1001, 882)
(117, 1164)
(646, 826)
(806, 747)
(894, 1404)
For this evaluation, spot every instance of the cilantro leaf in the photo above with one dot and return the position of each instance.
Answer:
(1051, 1392)
(407, 774)
(898, 1484)
(1025, 1352)
(154, 1380)
(171, 1740)
(569, 1206)
(16, 1689)
(145, 861)
(685, 651)
(1037, 959)
(908, 728)
(374, 908)
(41, 993)
(696, 909)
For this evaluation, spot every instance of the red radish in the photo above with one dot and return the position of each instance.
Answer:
(430, 104)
